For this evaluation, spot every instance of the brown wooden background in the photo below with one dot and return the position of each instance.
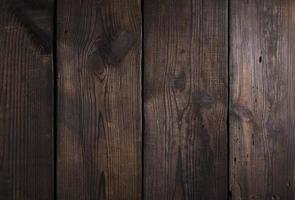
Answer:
(147, 99)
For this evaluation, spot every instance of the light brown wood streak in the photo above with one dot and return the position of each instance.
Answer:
(262, 99)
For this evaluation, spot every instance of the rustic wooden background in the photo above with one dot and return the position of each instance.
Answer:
(147, 99)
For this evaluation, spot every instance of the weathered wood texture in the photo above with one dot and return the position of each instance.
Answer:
(185, 99)
(26, 100)
(99, 104)
(262, 99)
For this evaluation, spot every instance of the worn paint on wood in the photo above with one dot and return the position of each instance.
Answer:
(26, 100)
(99, 102)
(185, 99)
(262, 99)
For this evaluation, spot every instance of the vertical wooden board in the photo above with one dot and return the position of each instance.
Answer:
(99, 102)
(26, 100)
(185, 99)
(262, 99)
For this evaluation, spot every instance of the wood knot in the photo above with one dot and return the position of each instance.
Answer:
(275, 197)
(35, 19)
(180, 81)
(273, 127)
(96, 65)
(241, 112)
(119, 47)
(202, 99)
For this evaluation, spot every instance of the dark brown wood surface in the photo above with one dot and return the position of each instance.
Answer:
(185, 99)
(192, 143)
(26, 100)
(262, 99)
(99, 103)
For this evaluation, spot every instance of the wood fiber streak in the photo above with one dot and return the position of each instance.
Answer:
(185, 99)
(99, 99)
(26, 100)
(262, 119)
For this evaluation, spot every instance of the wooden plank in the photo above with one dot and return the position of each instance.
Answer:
(262, 99)
(26, 100)
(99, 103)
(185, 99)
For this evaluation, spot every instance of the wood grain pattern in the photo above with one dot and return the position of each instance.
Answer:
(26, 100)
(185, 99)
(262, 99)
(99, 105)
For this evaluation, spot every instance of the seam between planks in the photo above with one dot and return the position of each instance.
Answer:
(55, 93)
(228, 98)
(142, 101)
